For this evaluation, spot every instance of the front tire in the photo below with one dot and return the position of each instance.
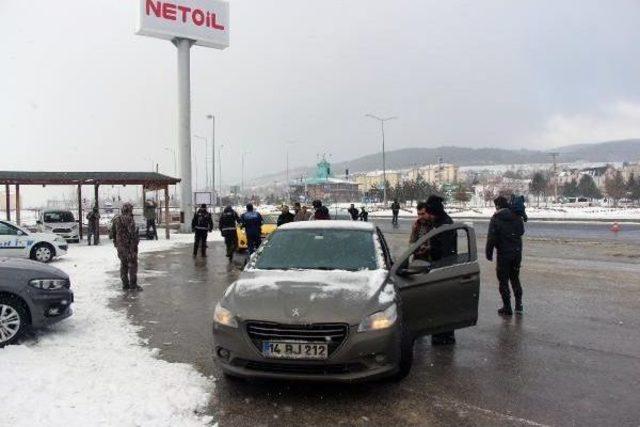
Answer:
(42, 252)
(406, 356)
(13, 320)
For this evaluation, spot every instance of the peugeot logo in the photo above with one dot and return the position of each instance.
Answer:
(295, 312)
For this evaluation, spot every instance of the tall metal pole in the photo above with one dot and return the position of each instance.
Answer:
(213, 158)
(384, 160)
(220, 172)
(184, 131)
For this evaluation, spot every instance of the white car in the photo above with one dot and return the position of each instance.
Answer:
(16, 241)
(60, 222)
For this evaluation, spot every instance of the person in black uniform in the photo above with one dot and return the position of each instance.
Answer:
(201, 225)
(285, 216)
(505, 236)
(227, 225)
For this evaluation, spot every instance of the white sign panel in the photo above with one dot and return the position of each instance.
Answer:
(203, 198)
(206, 22)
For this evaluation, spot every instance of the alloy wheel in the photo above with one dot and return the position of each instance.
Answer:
(9, 323)
(43, 254)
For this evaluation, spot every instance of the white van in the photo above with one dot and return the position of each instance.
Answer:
(60, 222)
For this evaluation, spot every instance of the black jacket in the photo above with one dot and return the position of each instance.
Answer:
(395, 207)
(322, 212)
(505, 235)
(202, 221)
(444, 244)
(354, 213)
(284, 218)
(227, 222)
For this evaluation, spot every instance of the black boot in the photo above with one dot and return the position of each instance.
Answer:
(519, 309)
(506, 306)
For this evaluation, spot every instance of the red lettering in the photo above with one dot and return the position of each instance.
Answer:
(153, 6)
(184, 10)
(198, 17)
(169, 11)
(214, 24)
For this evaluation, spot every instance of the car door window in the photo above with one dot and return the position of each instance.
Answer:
(7, 230)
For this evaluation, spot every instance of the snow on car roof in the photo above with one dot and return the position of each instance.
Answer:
(328, 224)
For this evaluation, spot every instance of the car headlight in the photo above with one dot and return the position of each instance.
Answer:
(49, 284)
(224, 317)
(59, 240)
(380, 320)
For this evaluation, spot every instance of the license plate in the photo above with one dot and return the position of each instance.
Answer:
(294, 350)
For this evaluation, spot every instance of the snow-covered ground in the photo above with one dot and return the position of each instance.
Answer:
(92, 368)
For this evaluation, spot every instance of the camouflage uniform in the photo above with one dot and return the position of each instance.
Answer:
(124, 233)
(93, 227)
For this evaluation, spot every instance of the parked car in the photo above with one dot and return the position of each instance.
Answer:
(17, 241)
(32, 295)
(269, 225)
(323, 300)
(60, 222)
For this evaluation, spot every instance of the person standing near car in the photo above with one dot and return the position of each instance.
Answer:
(93, 226)
(441, 246)
(285, 217)
(321, 211)
(251, 221)
(505, 236)
(227, 225)
(364, 215)
(124, 234)
(302, 215)
(353, 212)
(395, 210)
(420, 228)
(150, 216)
(201, 225)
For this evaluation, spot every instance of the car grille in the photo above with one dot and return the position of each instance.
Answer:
(331, 333)
(305, 368)
(61, 230)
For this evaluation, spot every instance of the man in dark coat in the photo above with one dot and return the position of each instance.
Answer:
(251, 221)
(285, 216)
(124, 234)
(420, 228)
(93, 226)
(321, 212)
(395, 210)
(364, 215)
(227, 225)
(441, 246)
(353, 211)
(505, 235)
(201, 225)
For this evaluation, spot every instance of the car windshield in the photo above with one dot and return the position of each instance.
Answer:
(320, 249)
(58, 216)
(270, 218)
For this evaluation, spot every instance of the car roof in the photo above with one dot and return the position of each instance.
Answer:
(328, 225)
(56, 210)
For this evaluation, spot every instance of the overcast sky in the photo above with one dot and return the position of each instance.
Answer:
(80, 91)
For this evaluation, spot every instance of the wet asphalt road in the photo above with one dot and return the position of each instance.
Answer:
(572, 359)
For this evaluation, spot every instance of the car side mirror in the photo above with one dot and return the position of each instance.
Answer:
(20, 233)
(417, 266)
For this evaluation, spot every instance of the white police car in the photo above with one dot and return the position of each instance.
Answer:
(15, 241)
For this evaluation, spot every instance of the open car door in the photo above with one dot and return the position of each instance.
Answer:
(442, 294)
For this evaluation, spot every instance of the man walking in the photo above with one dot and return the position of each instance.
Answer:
(227, 225)
(505, 235)
(321, 212)
(93, 226)
(364, 215)
(285, 217)
(150, 215)
(395, 210)
(353, 212)
(124, 234)
(252, 223)
(201, 225)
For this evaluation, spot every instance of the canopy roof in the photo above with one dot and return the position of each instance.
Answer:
(147, 179)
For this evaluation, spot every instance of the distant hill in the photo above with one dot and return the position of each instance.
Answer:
(611, 151)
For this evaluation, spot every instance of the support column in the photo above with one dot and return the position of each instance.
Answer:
(18, 204)
(7, 190)
(96, 204)
(184, 131)
(167, 217)
(80, 210)
(95, 195)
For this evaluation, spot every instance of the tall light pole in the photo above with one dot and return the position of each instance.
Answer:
(384, 163)
(213, 157)
(287, 144)
(220, 173)
(206, 156)
(244, 153)
(175, 168)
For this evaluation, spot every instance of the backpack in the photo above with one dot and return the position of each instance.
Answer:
(516, 204)
(201, 221)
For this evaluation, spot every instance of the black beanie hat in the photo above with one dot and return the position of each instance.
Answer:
(434, 205)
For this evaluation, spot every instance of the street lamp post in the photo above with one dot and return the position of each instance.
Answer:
(287, 144)
(384, 164)
(206, 156)
(220, 173)
(175, 167)
(213, 157)
(244, 153)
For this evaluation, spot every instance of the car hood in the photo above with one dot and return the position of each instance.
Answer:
(308, 296)
(61, 224)
(37, 268)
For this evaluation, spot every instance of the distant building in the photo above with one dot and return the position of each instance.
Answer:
(598, 173)
(629, 169)
(324, 186)
(374, 180)
(436, 175)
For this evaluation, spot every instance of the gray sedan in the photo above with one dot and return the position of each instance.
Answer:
(32, 294)
(323, 300)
